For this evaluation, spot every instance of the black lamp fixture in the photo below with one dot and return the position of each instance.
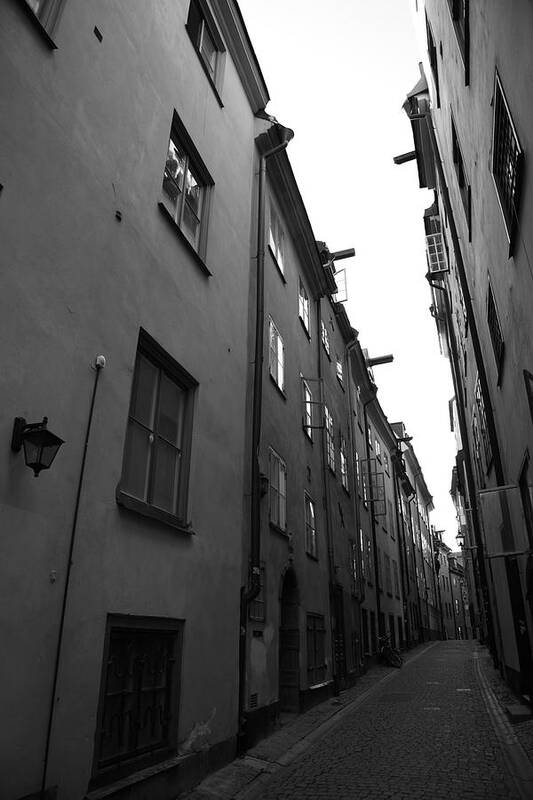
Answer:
(40, 444)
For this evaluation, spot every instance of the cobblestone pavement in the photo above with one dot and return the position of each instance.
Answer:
(432, 730)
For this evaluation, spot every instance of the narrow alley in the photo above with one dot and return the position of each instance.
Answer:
(433, 729)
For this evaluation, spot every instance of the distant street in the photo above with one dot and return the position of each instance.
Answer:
(425, 733)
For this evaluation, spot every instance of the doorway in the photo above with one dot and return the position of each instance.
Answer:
(289, 645)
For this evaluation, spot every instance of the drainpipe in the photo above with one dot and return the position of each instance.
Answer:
(327, 509)
(247, 595)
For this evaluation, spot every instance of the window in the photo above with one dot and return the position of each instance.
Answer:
(353, 565)
(186, 185)
(495, 331)
(325, 337)
(330, 444)
(482, 415)
(316, 649)
(257, 606)
(276, 239)
(506, 160)
(47, 12)
(392, 521)
(344, 464)
(278, 491)
(459, 12)
(340, 376)
(276, 356)
(137, 716)
(206, 41)
(310, 527)
(155, 470)
(369, 560)
(307, 409)
(363, 550)
(386, 461)
(378, 448)
(432, 52)
(303, 305)
(369, 436)
(359, 406)
(464, 187)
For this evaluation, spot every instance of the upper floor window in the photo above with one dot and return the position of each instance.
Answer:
(353, 564)
(378, 448)
(459, 11)
(155, 470)
(344, 463)
(462, 180)
(310, 527)
(325, 337)
(330, 444)
(432, 52)
(340, 373)
(276, 239)
(276, 356)
(278, 490)
(307, 409)
(303, 305)
(186, 185)
(369, 435)
(506, 160)
(482, 415)
(495, 331)
(206, 40)
(386, 461)
(47, 12)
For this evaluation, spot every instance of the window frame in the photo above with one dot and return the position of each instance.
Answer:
(46, 18)
(495, 331)
(280, 516)
(316, 635)
(461, 26)
(344, 464)
(330, 442)
(311, 545)
(257, 607)
(510, 222)
(307, 401)
(324, 337)
(304, 307)
(433, 59)
(463, 183)
(276, 240)
(207, 23)
(152, 352)
(276, 365)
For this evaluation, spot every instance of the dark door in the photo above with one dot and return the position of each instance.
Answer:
(289, 646)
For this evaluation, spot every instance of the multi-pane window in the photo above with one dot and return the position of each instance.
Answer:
(344, 464)
(307, 409)
(185, 187)
(137, 717)
(506, 159)
(353, 564)
(276, 355)
(495, 330)
(325, 337)
(278, 490)
(386, 461)
(369, 435)
(330, 444)
(204, 39)
(459, 12)
(340, 375)
(46, 11)
(482, 415)
(316, 649)
(378, 448)
(155, 469)
(432, 52)
(396, 578)
(303, 305)
(257, 605)
(310, 527)
(464, 187)
(276, 238)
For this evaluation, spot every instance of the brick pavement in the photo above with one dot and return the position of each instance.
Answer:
(426, 731)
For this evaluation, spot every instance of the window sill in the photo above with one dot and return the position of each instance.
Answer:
(39, 27)
(282, 531)
(146, 510)
(176, 228)
(305, 329)
(207, 73)
(311, 556)
(280, 390)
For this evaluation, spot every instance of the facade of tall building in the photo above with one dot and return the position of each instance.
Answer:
(230, 521)
(473, 128)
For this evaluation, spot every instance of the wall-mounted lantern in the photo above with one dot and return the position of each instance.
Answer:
(40, 444)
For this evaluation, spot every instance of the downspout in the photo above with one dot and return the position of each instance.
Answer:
(372, 518)
(247, 595)
(327, 509)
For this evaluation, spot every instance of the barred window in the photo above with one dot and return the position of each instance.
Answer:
(137, 718)
(495, 331)
(506, 159)
(316, 649)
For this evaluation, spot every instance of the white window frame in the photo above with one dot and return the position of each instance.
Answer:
(307, 409)
(277, 479)
(344, 464)
(324, 335)
(276, 355)
(330, 443)
(340, 371)
(303, 305)
(310, 526)
(276, 240)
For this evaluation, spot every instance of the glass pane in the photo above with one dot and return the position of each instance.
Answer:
(136, 461)
(174, 172)
(209, 52)
(193, 193)
(165, 486)
(190, 225)
(171, 411)
(144, 391)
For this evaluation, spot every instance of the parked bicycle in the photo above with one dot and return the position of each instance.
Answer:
(387, 653)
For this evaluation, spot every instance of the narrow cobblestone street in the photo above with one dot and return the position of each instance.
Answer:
(430, 730)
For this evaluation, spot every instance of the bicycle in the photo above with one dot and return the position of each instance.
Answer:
(389, 654)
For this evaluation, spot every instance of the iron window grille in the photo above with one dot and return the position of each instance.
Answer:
(310, 527)
(316, 649)
(276, 356)
(495, 331)
(432, 52)
(462, 181)
(138, 709)
(186, 184)
(278, 490)
(206, 41)
(506, 161)
(330, 444)
(276, 239)
(256, 610)
(155, 470)
(303, 305)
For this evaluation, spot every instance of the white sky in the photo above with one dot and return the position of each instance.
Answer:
(338, 73)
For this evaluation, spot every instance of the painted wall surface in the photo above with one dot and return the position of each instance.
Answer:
(85, 130)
